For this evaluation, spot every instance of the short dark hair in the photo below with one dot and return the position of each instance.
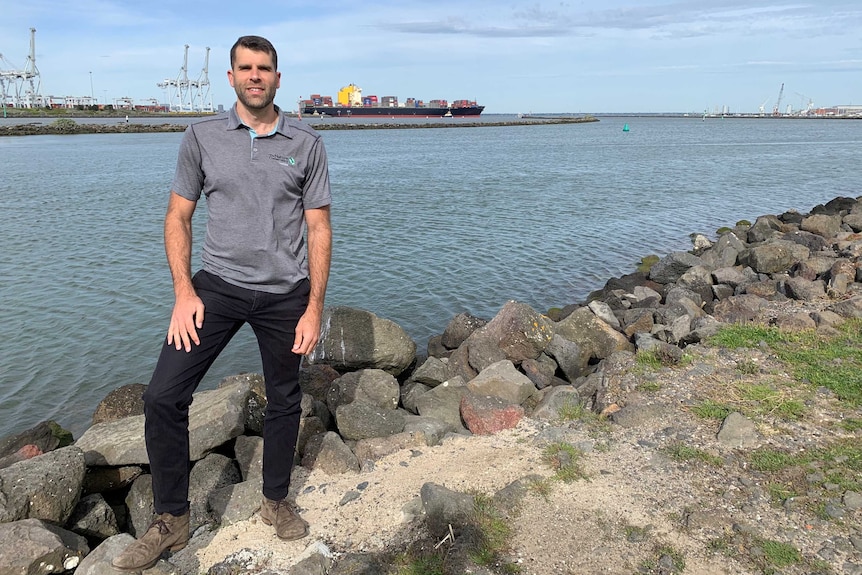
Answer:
(256, 43)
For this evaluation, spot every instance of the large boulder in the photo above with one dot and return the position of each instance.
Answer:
(34, 546)
(215, 417)
(519, 331)
(504, 381)
(46, 487)
(353, 339)
(596, 339)
(373, 386)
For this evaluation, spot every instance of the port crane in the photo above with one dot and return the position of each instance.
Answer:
(21, 87)
(201, 98)
(762, 107)
(179, 98)
(776, 110)
(805, 109)
(186, 95)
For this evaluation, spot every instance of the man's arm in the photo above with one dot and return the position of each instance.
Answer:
(319, 256)
(188, 314)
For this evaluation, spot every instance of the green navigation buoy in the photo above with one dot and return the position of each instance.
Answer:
(626, 128)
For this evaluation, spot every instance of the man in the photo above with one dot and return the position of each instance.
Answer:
(266, 181)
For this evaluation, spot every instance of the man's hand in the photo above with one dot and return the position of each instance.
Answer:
(186, 319)
(307, 333)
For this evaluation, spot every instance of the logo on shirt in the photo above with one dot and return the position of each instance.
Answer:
(283, 160)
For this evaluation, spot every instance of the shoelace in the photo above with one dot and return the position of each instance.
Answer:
(161, 526)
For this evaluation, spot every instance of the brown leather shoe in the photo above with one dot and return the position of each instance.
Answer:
(288, 524)
(165, 532)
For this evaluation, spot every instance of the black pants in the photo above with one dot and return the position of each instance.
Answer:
(273, 318)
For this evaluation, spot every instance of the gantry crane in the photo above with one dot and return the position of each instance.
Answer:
(186, 95)
(21, 87)
(776, 110)
(179, 94)
(201, 99)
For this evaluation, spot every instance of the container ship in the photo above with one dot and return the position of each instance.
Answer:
(350, 103)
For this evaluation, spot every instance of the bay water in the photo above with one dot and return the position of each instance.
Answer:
(427, 223)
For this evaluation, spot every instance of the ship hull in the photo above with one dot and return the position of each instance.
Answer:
(364, 111)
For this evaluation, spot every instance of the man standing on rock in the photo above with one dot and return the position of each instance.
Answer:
(266, 181)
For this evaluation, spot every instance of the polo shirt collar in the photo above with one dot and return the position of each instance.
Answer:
(234, 122)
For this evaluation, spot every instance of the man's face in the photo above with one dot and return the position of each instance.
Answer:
(254, 78)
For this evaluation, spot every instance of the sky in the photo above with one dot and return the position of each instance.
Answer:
(512, 57)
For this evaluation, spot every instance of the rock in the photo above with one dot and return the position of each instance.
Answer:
(827, 226)
(765, 228)
(596, 339)
(32, 546)
(93, 518)
(374, 448)
(848, 308)
(433, 430)
(328, 453)
(361, 420)
(211, 473)
(248, 451)
(444, 404)
(459, 329)
(738, 431)
(739, 309)
(671, 267)
(353, 339)
(121, 402)
(431, 373)
(604, 312)
(215, 417)
(504, 381)
(372, 386)
(568, 357)
(852, 500)
(139, 503)
(444, 507)
(27, 452)
(316, 380)
(805, 290)
(46, 487)
(554, 400)
(487, 415)
(46, 436)
(773, 257)
(519, 331)
(103, 479)
(234, 503)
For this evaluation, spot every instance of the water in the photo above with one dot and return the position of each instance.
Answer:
(428, 223)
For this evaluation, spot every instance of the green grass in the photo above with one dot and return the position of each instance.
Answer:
(485, 538)
(710, 409)
(834, 362)
(768, 556)
(852, 424)
(682, 452)
(494, 535)
(564, 459)
(779, 554)
(771, 401)
(572, 410)
(653, 565)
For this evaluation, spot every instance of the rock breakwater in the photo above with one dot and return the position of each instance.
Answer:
(370, 396)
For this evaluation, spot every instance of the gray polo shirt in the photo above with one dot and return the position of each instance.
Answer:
(257, 188)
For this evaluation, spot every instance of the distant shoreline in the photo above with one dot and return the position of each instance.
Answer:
(69, 126)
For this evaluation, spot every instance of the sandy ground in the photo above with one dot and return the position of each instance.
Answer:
(636, 501)
(580, 527)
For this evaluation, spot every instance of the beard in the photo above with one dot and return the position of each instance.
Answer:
(255, 102)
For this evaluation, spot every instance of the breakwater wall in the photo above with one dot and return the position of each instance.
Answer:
(68, 126)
